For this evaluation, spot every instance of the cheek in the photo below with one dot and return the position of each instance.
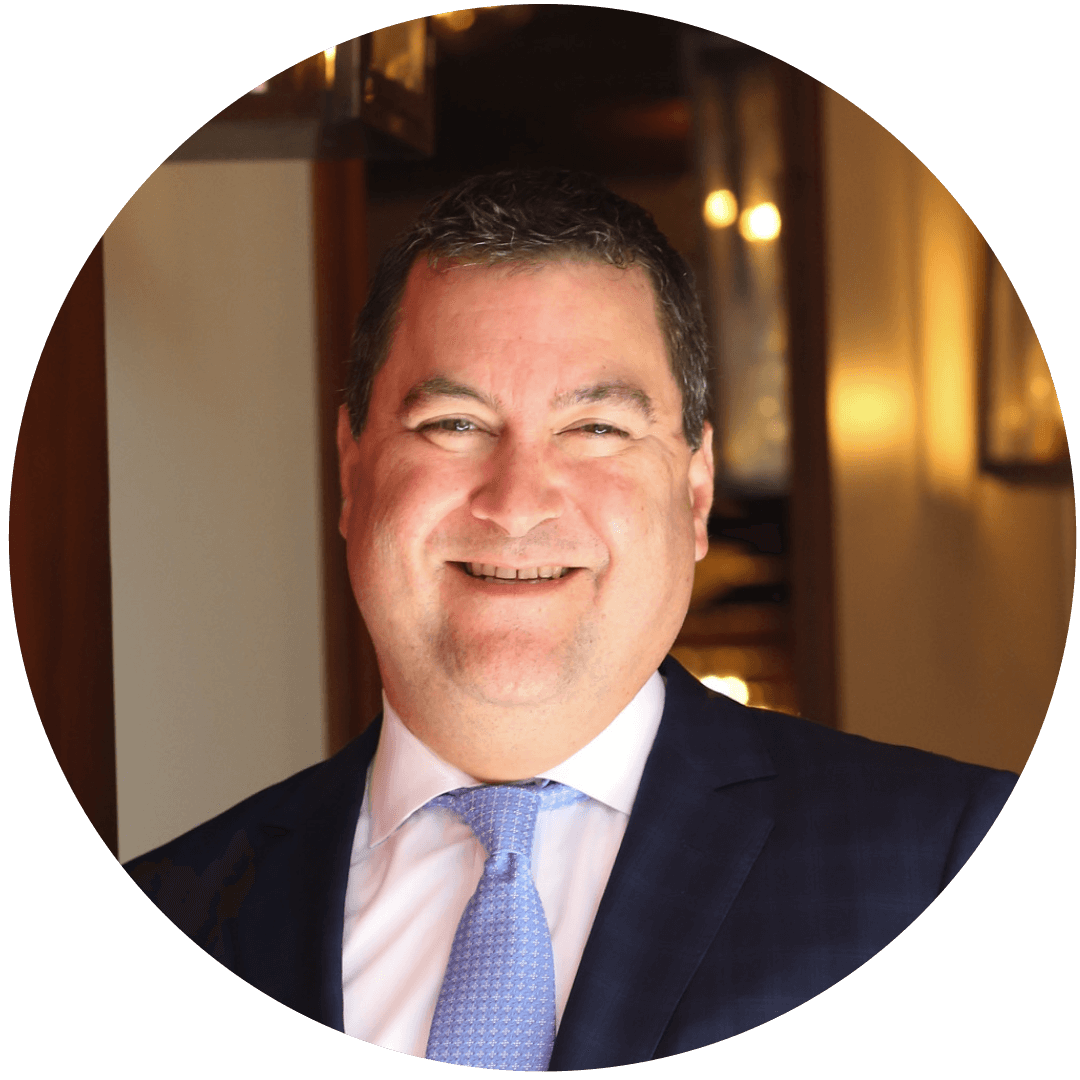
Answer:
(611, 507)
(640, 517)
(409, 502)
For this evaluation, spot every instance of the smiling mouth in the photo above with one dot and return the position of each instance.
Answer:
(504, 575)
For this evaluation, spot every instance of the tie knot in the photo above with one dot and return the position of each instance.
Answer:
(503, 816)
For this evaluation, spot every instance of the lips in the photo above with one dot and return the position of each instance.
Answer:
(492, 572)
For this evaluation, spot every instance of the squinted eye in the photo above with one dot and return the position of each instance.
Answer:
(455, 424)
(602, 429)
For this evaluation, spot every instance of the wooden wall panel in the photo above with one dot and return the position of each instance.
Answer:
(59, 549)
(354, 692)
(811, 521)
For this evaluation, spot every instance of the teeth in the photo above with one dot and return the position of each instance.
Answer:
(508, 573)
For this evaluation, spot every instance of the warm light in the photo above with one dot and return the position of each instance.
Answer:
(457, 21)
(871, 414)
(729, 685)
(776, 430)
(1043, 441)
(948, 349)
(1040, 387)
(761, 222)
(720, 209)
(329, 62)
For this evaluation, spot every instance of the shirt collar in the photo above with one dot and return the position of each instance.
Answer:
(406, 774)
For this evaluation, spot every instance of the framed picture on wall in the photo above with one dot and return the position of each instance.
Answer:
(1021, 432)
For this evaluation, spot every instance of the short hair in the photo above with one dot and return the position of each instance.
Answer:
(527, 216)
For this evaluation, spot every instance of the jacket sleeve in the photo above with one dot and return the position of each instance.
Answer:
(199, 896)
(978, 815)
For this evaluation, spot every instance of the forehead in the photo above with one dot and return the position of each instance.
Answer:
(552, 320)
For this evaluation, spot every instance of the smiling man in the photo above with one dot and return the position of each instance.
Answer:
(554, 849)
(521, 490)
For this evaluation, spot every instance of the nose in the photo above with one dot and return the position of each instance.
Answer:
(520, 490)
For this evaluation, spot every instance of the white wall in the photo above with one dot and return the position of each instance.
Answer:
(213, 489)
(953, 586)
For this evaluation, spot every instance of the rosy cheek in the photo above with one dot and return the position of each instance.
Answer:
(620, 529)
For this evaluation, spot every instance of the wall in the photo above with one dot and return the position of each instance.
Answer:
(953, 587)
(211, 396)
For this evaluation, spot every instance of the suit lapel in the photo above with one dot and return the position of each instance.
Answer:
(290, 942)
(692, 838)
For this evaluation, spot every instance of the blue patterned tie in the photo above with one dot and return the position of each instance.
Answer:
(496, 1007)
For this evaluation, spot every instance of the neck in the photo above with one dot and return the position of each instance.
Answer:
(498, 742)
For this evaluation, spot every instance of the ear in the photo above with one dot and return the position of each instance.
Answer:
(700, 483)
(348, 467)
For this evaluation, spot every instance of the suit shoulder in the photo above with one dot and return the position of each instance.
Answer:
(819, 765)
(217, 831)
(816, 746)
(799, 746)
(889, 796)
(268, 812)
(891, 786)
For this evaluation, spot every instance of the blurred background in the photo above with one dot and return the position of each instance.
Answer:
(892, 544)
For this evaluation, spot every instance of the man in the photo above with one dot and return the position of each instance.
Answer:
(555, 849)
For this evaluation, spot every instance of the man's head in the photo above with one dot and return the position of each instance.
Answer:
(523, 507)
(528, 216)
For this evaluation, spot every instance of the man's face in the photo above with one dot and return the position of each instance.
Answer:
(522, 511)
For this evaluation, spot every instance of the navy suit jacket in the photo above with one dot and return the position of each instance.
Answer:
(765, 859)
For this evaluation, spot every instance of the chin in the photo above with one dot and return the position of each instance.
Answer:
(510, 670)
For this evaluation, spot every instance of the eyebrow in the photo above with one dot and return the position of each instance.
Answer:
(438, 386)
(617, 392)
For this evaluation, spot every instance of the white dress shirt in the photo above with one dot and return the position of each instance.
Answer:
(413, 869)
